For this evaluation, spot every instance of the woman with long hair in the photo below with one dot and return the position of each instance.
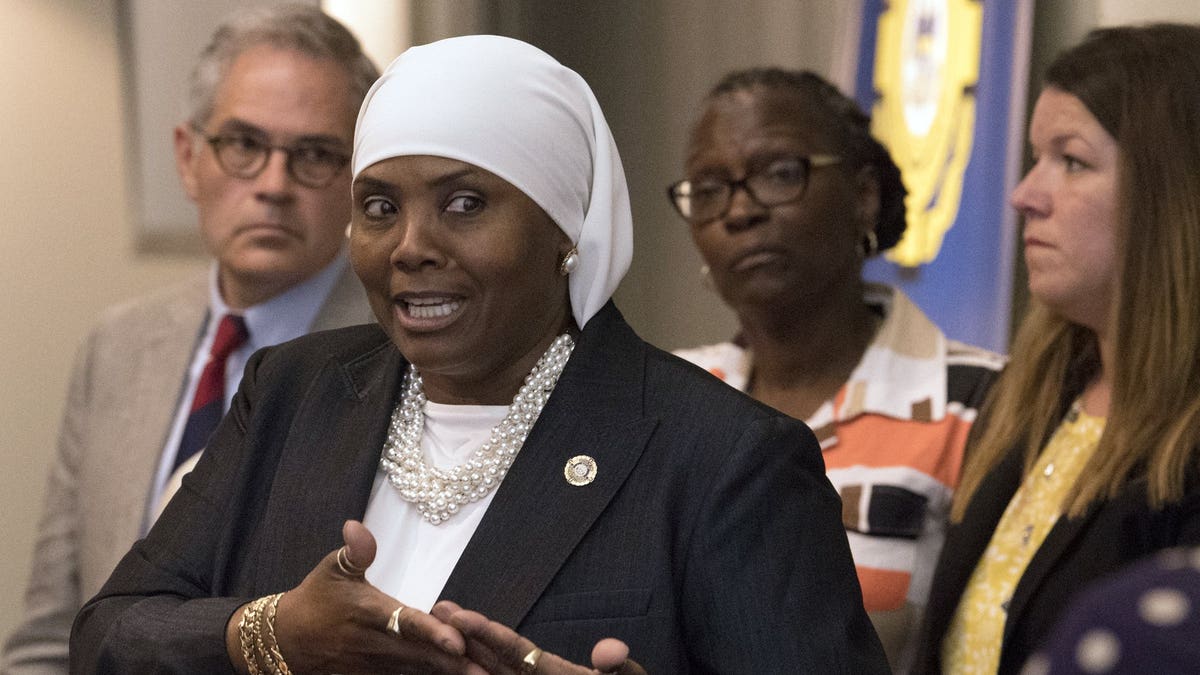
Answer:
(1085, 458)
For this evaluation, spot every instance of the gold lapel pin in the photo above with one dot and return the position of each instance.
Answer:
(580, 470)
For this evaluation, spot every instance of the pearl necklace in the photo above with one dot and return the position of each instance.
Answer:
(439, 493)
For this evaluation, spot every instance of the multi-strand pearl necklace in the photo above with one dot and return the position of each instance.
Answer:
(439, 493)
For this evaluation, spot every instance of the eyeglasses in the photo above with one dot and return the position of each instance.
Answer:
(244, 156)
(779, 182)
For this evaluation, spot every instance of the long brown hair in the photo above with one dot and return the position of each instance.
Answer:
(1143, 85)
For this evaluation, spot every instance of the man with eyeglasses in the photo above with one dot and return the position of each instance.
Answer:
(264, 157)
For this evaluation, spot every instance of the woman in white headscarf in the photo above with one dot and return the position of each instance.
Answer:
(509, 445)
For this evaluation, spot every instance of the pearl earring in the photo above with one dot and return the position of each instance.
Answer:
(569, 262)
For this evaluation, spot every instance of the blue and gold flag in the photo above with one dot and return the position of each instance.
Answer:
(945, 81)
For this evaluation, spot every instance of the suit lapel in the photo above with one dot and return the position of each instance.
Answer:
(967, 541)
(329, 461)
(346, 304)
(159, 371)
(1057, 541)
(537, 517)
(986, 509)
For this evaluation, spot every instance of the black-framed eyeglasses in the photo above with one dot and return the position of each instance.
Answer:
(245, 156)
(778, 182)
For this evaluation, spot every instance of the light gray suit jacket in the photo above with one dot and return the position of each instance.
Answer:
(122, 400)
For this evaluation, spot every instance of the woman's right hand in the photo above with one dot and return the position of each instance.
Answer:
(335, 621)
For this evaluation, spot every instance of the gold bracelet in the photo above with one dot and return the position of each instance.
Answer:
(246, 635)
(273, 654)
(260, 650)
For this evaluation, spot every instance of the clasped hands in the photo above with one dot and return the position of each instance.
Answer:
(335, 621)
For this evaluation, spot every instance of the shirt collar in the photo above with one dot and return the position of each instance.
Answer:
(902, 374)
(287, 315)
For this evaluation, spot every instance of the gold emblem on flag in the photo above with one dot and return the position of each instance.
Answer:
(926, 69)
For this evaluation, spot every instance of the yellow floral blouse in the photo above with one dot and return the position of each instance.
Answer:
(972, 645)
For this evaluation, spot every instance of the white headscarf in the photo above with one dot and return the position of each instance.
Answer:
(510, 108)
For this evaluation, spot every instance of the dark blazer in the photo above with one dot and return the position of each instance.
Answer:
(1077, 551)
(710, 541)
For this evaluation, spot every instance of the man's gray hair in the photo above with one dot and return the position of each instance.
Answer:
(303, 28)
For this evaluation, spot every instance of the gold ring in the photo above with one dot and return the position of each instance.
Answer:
(344, 564)
(529, 663)
(394, 622)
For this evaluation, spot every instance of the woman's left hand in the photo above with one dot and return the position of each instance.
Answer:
(502, 651)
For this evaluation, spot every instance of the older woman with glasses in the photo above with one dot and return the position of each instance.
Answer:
(787, 194)
(500, 472)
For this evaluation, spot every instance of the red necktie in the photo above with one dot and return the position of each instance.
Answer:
(209, 402)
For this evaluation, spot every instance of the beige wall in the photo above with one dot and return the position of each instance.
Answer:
(1114, 12)
(67, 247)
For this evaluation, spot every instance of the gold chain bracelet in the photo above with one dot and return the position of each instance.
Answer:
(260, 649)
(272, 654)
(246, 631)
